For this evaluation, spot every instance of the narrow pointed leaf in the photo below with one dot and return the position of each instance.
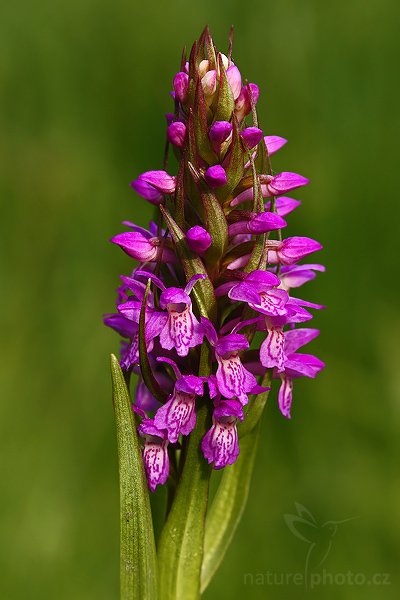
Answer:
(258, 207)
(145, 368)
(225, 101)
(227, 508)
(180, 194)
(192, 73)
(261, 157)
(200, 127)
(235, 168)
(236, 252)
(215, 221)
(210, 49)
(203, 291)
(180, 551)
(192, 147)
(253, 106)
(183, 59)
(138, 570)
(230, 500)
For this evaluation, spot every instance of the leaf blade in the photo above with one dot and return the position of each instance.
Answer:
(230, 500)
(138, 566)
(227, 508)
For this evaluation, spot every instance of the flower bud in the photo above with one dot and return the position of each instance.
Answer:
(136, 245)
(176, 134)
(147, 191)
(181, 84)
(220, 131)
(234, 80)
(258, 223)
(251, 136)
(143, 249)
(291, 250)
(203, 67)
(284, 182)
(215, 176)
(151, 185)
(209, 83)
(198, 239)
(243, 104)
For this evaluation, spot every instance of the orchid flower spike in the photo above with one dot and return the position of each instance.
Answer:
(208, 314)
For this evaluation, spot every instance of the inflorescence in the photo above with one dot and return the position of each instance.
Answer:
(214, 273)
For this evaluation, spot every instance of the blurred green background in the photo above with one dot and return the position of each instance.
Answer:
(84, 88)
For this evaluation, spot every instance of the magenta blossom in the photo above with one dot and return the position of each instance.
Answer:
(181, 84)
(296, 365)
(291, 250)
(179, 327)
(273, 186)
(233, 380)
(251, 136)
(155, 453)
(259, 289)
(178, 416)
(215, 176)
(257, 223)
(152, 185)
(176, 133)
(274, 143)
(198, 239)
(220, 444)
(296, 275)
(144, 247)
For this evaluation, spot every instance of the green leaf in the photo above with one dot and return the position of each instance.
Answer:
(235, 168)
(203, 291)
(230, 500)
(192, 73)
(236, 252)
(227, 508)
(180, 552)
(180, 194)
(192, 146)
(145, 367)
(215, 222)
(225, 102)
(203, 145)
(210, 49)
(138, 569)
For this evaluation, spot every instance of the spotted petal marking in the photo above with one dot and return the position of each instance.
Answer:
(220, 444)
(285, 396)
(181, 331)
(177, 415)
(272, 302)
(156, 462)
(272, 352)
(233, 379)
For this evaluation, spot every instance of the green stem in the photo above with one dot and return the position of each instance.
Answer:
(180, 554)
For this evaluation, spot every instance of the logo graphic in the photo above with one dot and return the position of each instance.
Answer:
(318, 536)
